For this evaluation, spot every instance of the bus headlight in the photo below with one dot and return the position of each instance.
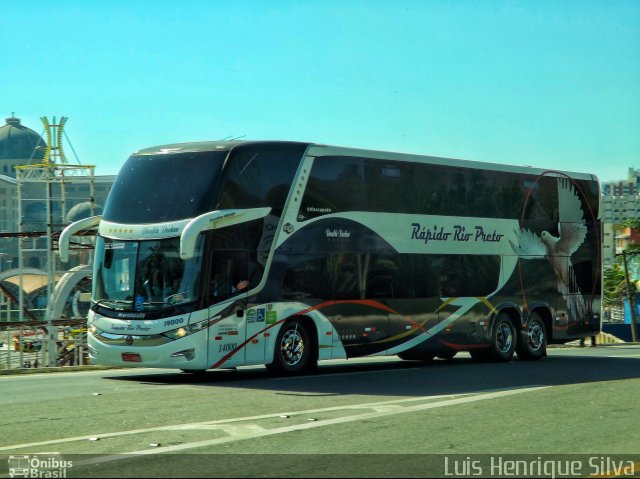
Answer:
(183, 331)
(177, 333)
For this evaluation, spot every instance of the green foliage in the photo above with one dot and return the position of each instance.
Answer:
(632, 248)
(615, 284)
(632, 223)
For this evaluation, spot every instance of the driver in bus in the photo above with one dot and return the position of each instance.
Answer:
(229, 274)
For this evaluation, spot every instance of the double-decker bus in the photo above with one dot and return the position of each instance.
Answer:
(222, 254)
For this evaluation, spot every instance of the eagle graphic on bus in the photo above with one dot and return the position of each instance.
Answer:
(572, 232)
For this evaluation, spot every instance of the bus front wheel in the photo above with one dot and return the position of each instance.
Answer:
(294, 350)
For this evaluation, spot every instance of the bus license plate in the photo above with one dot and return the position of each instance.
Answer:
(131, 357)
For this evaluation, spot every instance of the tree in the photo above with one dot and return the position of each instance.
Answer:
(614, 286)
(632, 248)
(633, 223)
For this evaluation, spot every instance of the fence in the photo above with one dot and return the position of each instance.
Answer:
(34, 345)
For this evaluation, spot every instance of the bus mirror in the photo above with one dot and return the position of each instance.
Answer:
(213, 220)
(73, 228)
(240, 313)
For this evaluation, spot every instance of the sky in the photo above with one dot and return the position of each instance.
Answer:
(553, 84)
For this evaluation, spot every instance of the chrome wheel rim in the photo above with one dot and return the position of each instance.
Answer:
(536, 336)
(292, 347)
(504, 337)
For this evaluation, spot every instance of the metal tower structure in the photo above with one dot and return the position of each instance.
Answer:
(45, 194)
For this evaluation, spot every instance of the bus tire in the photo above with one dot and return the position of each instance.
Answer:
(294, 351)
(533, 340)
(503, 338)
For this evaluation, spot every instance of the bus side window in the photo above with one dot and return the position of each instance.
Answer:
(450, 278)
(336, 184)
(390, 276)
(541, 204)
(479, 274)
(303, 280)
(380, 284)
(390, 186)
(256, 176)
(229, 274)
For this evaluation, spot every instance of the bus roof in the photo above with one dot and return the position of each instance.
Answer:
(208, 146)
(324, 150)
(315, 149)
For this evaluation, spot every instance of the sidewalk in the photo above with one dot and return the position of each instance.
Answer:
(61, 369)
(602, 339)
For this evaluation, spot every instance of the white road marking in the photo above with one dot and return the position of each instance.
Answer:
(228, 421)
(239, 434)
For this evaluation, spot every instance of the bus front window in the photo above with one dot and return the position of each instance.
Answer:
(145, 275)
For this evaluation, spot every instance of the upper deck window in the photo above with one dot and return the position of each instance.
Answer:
(257, 175)
(340, 183)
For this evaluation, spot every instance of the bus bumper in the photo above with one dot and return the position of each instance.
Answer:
(186, 353)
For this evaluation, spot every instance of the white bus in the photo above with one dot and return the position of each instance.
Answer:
(223, 254)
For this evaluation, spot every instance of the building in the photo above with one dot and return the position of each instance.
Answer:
(620, 204)
(618, 209)
(19, 146)
(630, 186)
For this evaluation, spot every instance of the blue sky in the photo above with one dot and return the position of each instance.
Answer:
(554, 84)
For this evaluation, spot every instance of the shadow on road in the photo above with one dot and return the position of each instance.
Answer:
(408, 378)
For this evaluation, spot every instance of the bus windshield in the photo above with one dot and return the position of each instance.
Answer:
(145, 275)
(165, 187)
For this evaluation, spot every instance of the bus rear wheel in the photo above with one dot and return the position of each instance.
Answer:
(294, 350)
(503, 338)
(533, 343)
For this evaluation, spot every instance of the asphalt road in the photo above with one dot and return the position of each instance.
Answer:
(361, 418)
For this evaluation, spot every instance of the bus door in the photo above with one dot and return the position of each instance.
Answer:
(251, 318)
(230, 280)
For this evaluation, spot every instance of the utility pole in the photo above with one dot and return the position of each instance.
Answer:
(630, 295)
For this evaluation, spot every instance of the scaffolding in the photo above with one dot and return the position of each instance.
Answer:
(46, 192)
